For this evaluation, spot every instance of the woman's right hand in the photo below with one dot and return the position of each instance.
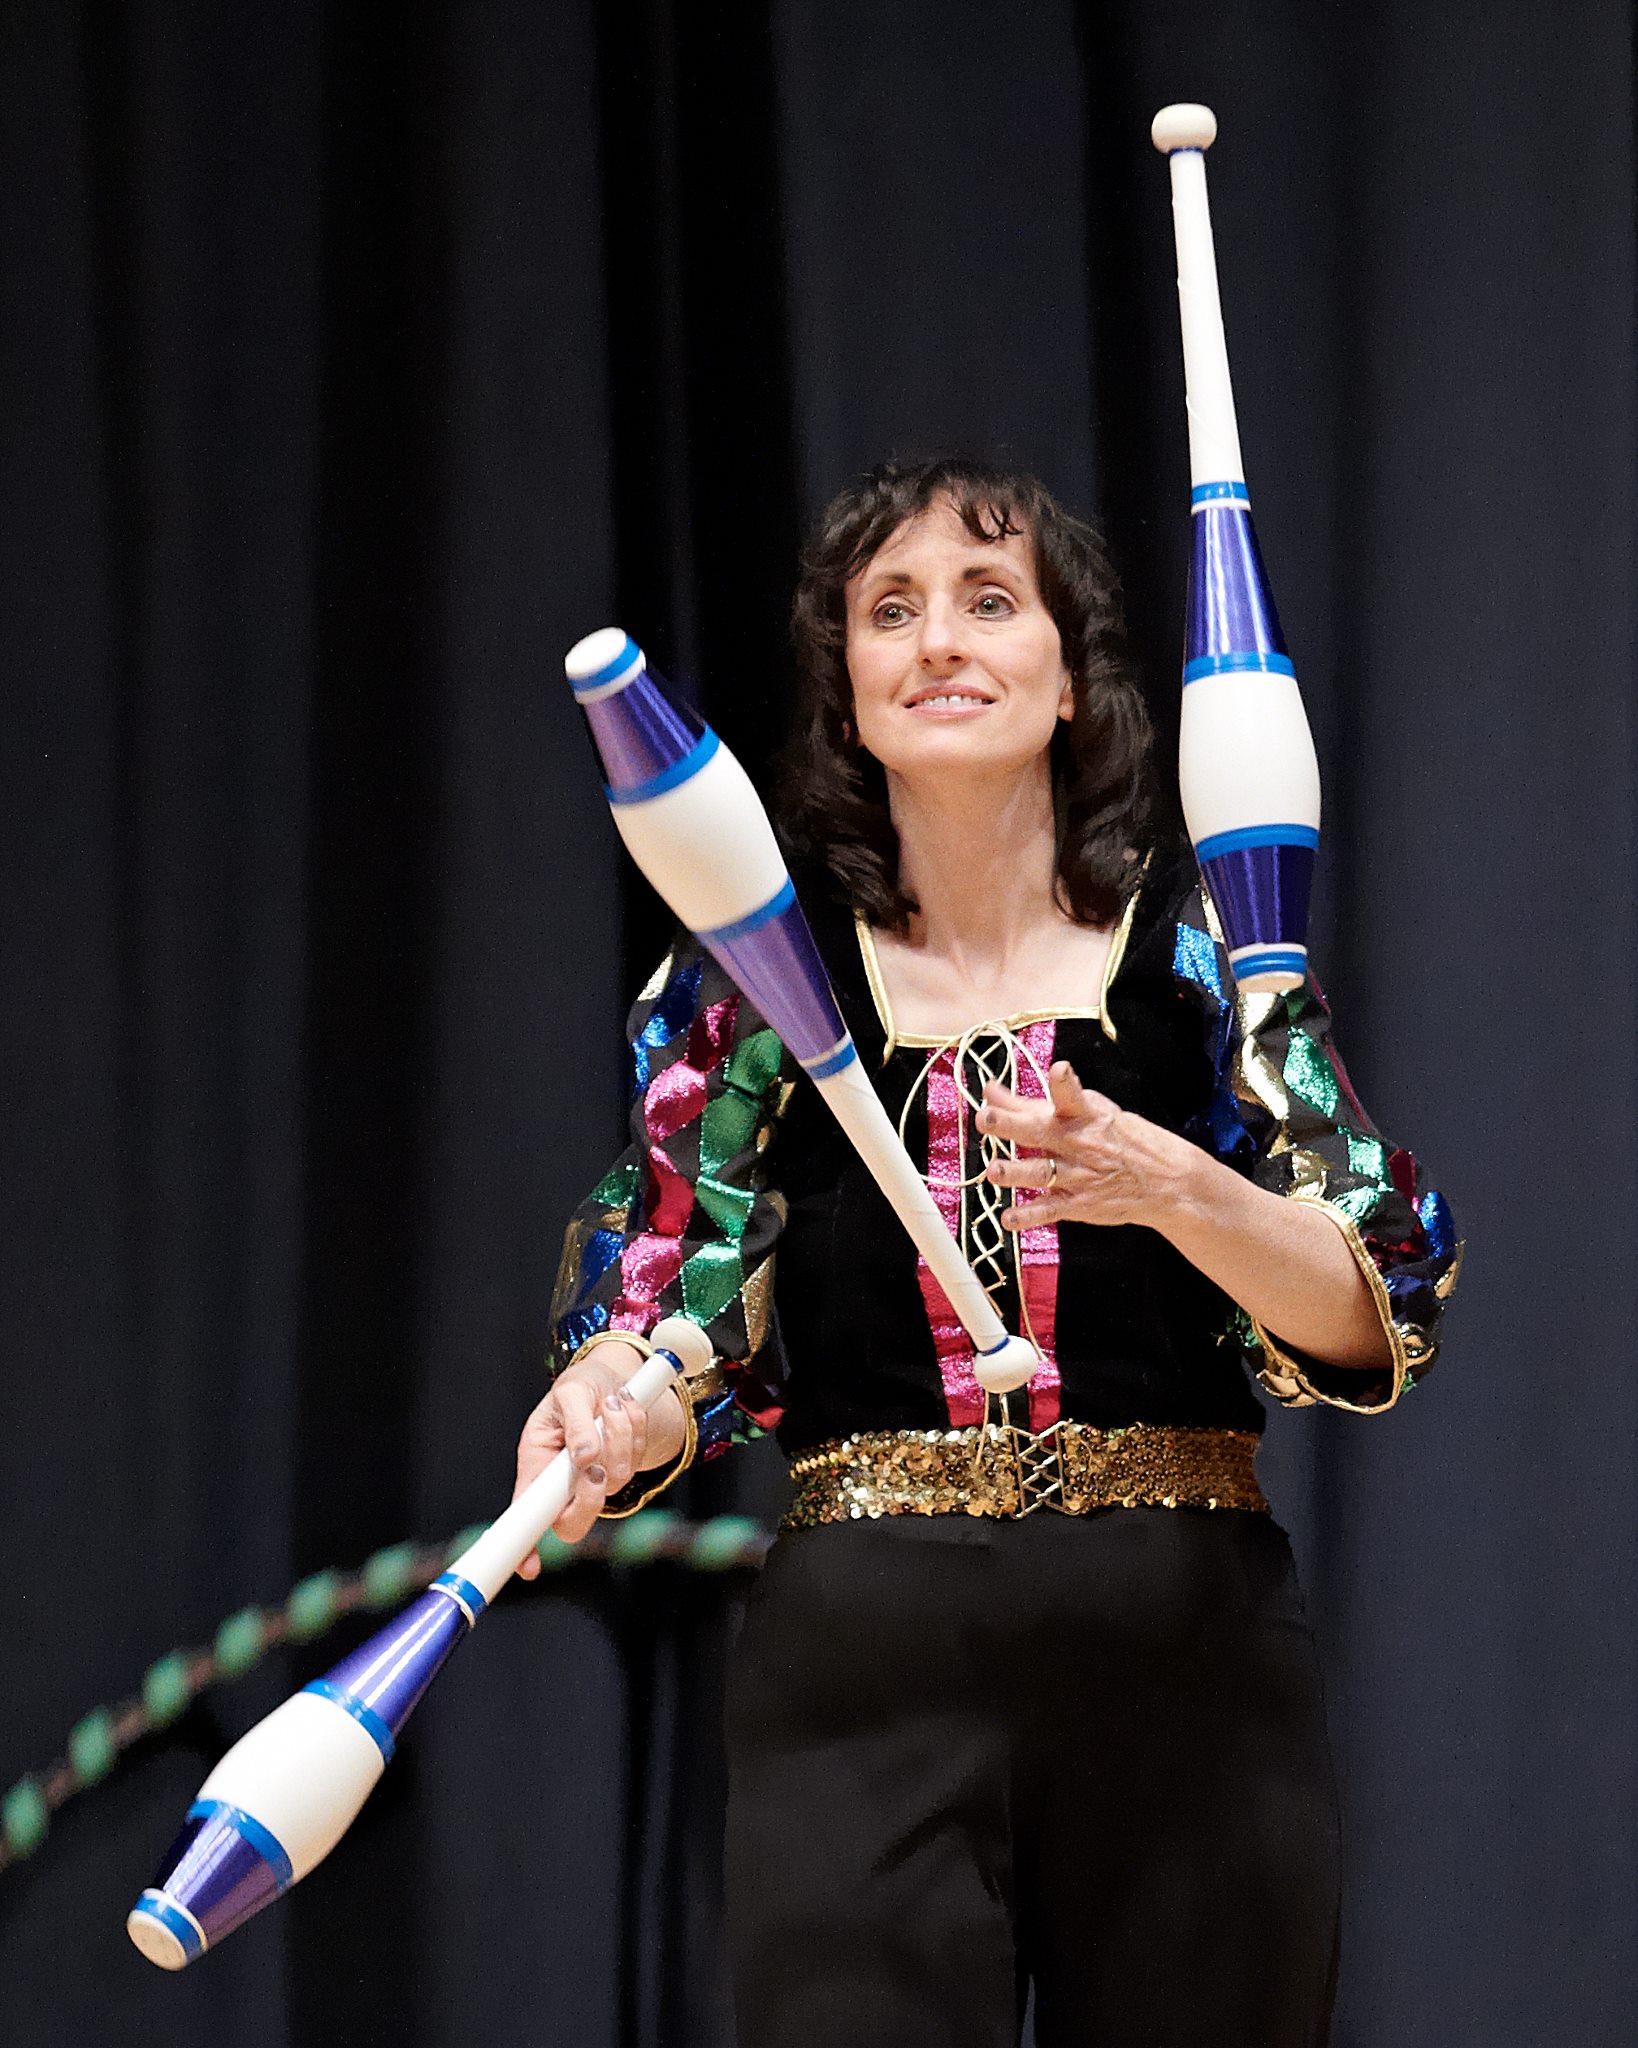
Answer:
(582, 1396)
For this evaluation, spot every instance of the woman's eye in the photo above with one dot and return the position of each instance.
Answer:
(888, 614)
(992, 604)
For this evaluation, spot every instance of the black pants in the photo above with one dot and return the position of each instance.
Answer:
(1087, 1753)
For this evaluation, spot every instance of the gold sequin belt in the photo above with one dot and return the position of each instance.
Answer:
(1005, 1471)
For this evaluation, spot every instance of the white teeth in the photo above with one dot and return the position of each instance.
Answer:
(959, 698)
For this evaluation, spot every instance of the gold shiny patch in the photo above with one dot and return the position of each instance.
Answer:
(657, 980)
(1004, 1473)
(757, 1296)
(1258, 1078)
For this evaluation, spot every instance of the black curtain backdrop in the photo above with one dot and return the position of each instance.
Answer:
(355, 361)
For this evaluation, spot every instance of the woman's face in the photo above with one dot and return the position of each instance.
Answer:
(955, 660)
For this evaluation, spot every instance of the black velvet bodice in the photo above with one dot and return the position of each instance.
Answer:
(1139, 1335)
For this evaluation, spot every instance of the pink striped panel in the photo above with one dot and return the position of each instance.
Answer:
(1038, 1253)
(946, 1163)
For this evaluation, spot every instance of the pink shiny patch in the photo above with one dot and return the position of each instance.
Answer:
(670, 1195)
(648, 1265)
(712, 1033)
(1038, 1252)
(674, 1098)
(946, 1158)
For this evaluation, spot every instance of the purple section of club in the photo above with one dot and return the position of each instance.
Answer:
(217, 1875)
(1261, 893)
(779, 968)
(641, 731)
(391, 1671)
(1231, 608)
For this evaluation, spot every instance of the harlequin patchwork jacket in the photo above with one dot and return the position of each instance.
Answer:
(740, 1204)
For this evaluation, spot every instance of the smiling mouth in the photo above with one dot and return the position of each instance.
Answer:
(950, 700)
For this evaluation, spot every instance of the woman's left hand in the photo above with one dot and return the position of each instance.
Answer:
(1093, 1162)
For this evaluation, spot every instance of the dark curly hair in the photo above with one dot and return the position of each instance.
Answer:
(832, 794)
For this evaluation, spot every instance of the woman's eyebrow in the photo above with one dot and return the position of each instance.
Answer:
(875, 581)
(987, 569)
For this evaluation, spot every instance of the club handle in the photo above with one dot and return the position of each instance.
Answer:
(491, 1561)
(1184, 133)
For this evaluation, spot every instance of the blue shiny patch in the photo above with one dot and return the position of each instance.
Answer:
(601, 1250)
(1439, 1224)
(581, 1323)
(715, 1421)
(1194, 958)
(675, 1010)
(1412, 1296)
(1221, 1129)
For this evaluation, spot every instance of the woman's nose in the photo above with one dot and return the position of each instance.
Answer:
(941, 649)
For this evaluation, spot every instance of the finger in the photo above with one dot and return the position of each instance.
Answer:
(1038, 1212)
(1069, 1098)
(639, 1432)
(1003, 1097)
(1039, 1170)
(540, 1442)
(530, 1567)
(585, 1504)
(618, 1457)
(578, 1405)
(1028, 1124)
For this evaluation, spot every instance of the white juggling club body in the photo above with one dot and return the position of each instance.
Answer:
(287, 1791)
(1247, 769)
(695, 826)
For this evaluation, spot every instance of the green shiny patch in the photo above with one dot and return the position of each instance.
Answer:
(754, 1065)
(1368, 1156)
(726, 1127)
(1310, 1076)
(711, 1280)
(1360, 1204)
(728, 1207)
(729, 1121)
(618, 1187)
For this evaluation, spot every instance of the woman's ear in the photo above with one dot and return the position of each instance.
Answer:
(1066, 697)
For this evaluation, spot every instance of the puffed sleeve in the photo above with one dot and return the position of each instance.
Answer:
(684, 1222)
(1285, 1111)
